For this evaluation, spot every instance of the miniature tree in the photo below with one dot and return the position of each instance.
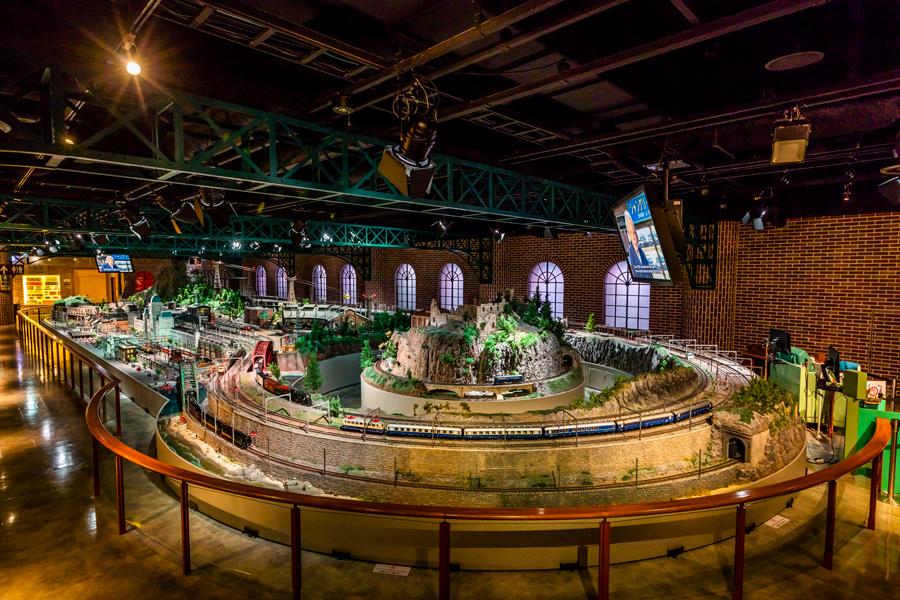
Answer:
(366, 358)
(590, 326)
(274, 370)
(312, 381)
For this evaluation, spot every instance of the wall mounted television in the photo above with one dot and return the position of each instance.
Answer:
(114, 263)
(651, 236)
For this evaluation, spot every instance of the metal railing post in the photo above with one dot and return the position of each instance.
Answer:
(120, 494)
(90, 381)
(95, 461)
(444, 561)
(875, 489)
(80, 379)
(892, 464)
(296, 559)
(185, 530)
(828, 561)
(603, 561)
(740, 525)
(118, 411)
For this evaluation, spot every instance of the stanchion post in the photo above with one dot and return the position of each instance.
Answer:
(444, 561)
(185, 530)
(120, 494)
(80, 379)
(90, 381)
(296, 559)
(740, 525)
(828, 561)
(603, 561)
(875, 489)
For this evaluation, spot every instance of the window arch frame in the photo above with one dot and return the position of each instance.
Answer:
(623, 296)
(348, 284)
(547, 280)
(262, 283)
(281, 283)
(451, 284)
(319, 284)
(405, 287)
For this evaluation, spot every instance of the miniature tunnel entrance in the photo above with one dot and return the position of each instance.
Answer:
(737, 449)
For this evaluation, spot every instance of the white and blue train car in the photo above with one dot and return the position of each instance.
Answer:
(685, 413)
(645, 422)
(509, 433)
(423, 430)
(555, 431)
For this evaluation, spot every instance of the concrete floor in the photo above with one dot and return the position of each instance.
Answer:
(58, 542)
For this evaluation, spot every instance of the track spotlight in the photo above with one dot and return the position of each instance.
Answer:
(847, 194)
(791, 138)
(441, 226)
(341, 106)
(75, 242)
(130, 55)
(276, 248)
(498, 235)
(53, 247)
(39, 251)
(254, 245)
(188, 210)
(298, 232)
(211, 198)
(99, 239)
(136, 220)
(408, 166)
(549, 234)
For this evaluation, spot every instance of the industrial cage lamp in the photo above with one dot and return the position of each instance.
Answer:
(791, 138)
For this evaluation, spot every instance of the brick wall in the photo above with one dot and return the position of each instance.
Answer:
(709, 315)
(828, 280)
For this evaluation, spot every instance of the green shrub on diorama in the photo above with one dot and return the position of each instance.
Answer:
(312, 380)
(536, 313)
(274, 370)
(366, 356)
(765, 397)
(590, 326)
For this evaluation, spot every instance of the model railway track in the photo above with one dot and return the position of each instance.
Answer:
(247, 405)
(463, 488)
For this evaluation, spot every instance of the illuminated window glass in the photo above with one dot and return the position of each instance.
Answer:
(627, 302)
(320, 291)
(260, 281)
(405, 285)
(281, 282)
(348, 285)
(450, 281)
(546, 281)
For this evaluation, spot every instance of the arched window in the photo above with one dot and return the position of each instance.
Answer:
(260, 281)
(451, 286)
(546, 281)
(405, 285)
(627, 302)
(319, 289)
(281, 282)
(348, 285)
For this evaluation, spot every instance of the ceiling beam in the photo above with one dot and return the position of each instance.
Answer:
(686, 11)
(885, 85)
(589, 71)
(456, 42)
(562, 22)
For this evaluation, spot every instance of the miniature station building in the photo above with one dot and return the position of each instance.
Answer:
(449, 299)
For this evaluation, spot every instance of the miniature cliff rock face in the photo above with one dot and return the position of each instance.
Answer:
(606, 351)
(473, 344)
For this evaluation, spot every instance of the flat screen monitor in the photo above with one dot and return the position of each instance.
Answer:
(833, 365)
(780, 341)
(646, 231)
(114, 263)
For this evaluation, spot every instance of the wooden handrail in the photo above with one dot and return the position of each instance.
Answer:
(872, 449)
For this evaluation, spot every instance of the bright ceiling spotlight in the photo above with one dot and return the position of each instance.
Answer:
(39, 251)
(499, 236)
(408, 166)
(441, 226)
(791, 138)
(276, 248)
(254, 245)
(54, 247)
(130, 55)
(236, 245)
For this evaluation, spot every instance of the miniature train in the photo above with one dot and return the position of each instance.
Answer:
(235, 436)
(419, 429)
(280, 389)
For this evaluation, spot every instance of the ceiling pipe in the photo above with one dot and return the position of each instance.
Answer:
(588, 71)
(885, 85)
(456, 42)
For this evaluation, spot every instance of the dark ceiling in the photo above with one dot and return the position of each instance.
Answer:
(595, 94)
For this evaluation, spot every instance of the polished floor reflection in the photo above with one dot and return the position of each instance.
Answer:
(58, 542)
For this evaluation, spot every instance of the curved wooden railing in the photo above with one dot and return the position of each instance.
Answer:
(52, 357)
